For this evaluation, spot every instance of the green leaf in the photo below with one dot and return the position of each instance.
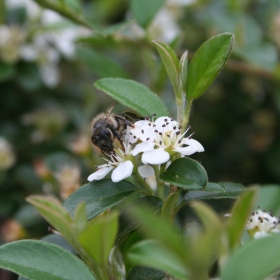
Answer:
(144, 10)
(206, 64)
(217, 191)
(133, 95)
(207, 216)
(168, 210)
(52, 210)
(268, 198)
(60, 241)
(99, 196)
(255, 260)
(126, 226)
(151, 253)
(99, 236)
(183, 69)
(170, 61)
(145, 273)
(80, 217)
(157, 228)
(100, 64)
(185, 173)
(41, 260)
(70, 9)
(239, 217)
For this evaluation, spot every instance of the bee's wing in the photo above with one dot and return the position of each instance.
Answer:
(110, 109)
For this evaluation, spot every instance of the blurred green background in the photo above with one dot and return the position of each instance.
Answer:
(49, 61)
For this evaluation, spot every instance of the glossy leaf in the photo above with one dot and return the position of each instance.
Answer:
(239, 216)
(41, 260)
(144, 10)
(133, 95)
(100, 64)
(151, 253)
(217, 191)
(255, 260)
(185, 173)
(170, 61)
(99, 236)
(206, 64)
(99, 196)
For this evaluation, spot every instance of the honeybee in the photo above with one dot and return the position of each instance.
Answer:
(105, 127)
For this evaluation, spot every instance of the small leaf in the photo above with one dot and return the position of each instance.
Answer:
(183, 69)
(41, 260)
(80, 217)
(52, 210)
(255, 260)
(239, 215)
(207, 216)
(99, 236)
(171, 63)
(185, 173)
(144, 10)
(126, 225)
(100, 64)
(145, 273)
(206, 64)
(99, 196)
(151, 253)
(217, 191)
(268, 198)
(133, 95)
(168, 209)
(157, 228)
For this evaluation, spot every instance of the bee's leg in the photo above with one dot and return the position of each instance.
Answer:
(119, 138)
(124, 119)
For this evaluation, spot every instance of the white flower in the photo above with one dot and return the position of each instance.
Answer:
(162, 138)
(119, 162)
(261, 224)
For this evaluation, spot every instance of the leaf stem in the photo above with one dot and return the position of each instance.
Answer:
(142, 181)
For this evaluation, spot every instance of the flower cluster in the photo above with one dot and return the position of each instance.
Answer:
(262, 223)
(44, 39)
(157, 142)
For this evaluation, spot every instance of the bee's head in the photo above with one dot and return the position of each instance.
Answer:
(103, 140)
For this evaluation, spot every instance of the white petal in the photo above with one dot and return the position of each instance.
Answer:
(146, 170)
(144, 130)
(100, 173)
(122, 171)
(143, 147)
(157, 156)
(186, 151)
(169, 123)
(195, 144)
(152, 182)
(261, 234)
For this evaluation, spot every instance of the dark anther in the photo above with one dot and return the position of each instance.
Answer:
(142, 131)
